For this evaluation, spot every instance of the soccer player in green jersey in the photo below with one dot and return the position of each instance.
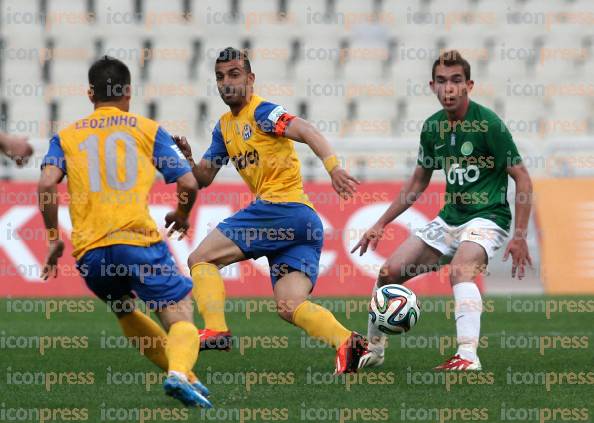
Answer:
(477, 153)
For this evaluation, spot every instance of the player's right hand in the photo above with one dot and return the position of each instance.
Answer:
(56, 248)
(179, 222)
(183, 144)
(371, 237)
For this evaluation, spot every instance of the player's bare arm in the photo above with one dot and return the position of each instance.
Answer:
(518, 247)
(301, 130)
(204, 171)
(177, 220)
(47, 190)
(16, 148)
(409, 193)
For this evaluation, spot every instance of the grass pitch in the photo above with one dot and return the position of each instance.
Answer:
(69, 362)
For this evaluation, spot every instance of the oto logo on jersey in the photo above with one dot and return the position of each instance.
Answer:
(458, 174)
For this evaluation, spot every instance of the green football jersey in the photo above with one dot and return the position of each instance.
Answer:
(474, 154)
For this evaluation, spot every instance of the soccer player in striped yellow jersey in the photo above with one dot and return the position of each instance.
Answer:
(281, 224)
(110, 158)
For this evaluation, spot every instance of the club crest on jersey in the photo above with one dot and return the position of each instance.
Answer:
(467, 148)
(247, 132)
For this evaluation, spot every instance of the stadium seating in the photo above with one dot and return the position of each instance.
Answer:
(339, 49)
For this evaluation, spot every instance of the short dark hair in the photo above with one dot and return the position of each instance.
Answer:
(109, 79)
(231, 53)
(451, 58)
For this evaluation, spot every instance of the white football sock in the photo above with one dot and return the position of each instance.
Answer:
(468, 309)
(377, 339)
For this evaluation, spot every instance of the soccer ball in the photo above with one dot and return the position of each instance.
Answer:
(394, 309)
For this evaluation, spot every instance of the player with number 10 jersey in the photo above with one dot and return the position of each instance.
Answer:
(110, 158)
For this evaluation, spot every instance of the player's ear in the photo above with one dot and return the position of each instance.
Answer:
(469, 85)
(432, 85)
(91, 95)
(127, 95)
(251, 78)
(127, 92)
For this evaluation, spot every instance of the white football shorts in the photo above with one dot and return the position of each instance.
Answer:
(447, 238)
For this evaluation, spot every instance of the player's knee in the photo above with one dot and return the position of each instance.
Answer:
(285, 308)
(199, 256)
(460, 272)
(390, 273)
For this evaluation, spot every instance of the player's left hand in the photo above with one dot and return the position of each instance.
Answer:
(518, 248)
(56, 248)
(18, 149)
(343, 183)
(179, 222)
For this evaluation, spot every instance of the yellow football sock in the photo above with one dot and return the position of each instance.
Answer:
(319, 323)
(183, 345)
(209, 293)
(139, 326)
(146, 334)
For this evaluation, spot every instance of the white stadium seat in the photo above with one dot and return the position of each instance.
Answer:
(316, 78)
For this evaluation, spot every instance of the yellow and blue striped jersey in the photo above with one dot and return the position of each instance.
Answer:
(109, 159)
(254, 141)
